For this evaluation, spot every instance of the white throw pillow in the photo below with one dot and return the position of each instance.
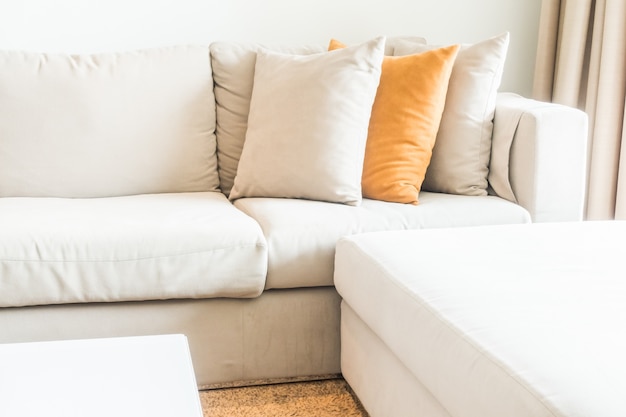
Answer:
(308, 123)
(460, 160)
(105, 125)
(233, 73)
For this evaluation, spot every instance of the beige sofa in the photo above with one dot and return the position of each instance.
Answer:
(116, 172)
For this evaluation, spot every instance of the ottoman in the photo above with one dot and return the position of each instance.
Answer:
(520, 320)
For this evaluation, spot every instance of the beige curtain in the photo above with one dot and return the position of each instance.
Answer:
(581, 62)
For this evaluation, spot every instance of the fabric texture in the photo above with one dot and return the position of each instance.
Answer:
(530, 139)
(460, 160)
(307, 125)
(368, 364)
(107, 124)
(302, 234)
(279, 335)
(143, 247)
(527, 328)
(581, 62)
(233, 72)
(404, 123)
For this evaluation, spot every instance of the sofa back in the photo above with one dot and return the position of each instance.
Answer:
(108, 124)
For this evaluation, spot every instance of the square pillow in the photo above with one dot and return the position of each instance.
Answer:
(460, 160)
(233, 73)
(403, 127)
(308, 124)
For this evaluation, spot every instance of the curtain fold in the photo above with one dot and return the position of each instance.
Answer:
(581, 62)
(620, 205)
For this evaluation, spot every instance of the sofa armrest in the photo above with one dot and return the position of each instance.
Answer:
(539, 157)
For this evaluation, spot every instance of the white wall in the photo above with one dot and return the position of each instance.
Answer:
(104, 25)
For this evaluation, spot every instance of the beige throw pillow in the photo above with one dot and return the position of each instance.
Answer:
(308, 123)
(233, 73)
(460, 160)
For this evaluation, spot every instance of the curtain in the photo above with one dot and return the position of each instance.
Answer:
(581, 62)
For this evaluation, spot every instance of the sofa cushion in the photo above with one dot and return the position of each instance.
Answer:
(308, 123)
(460, 160)
(512, 321)
(301, 235)
(144, 247)
(107, 124)
(233, 72)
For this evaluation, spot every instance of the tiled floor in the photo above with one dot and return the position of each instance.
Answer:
(298, 399)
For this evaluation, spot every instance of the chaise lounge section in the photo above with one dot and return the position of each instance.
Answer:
(508, 320)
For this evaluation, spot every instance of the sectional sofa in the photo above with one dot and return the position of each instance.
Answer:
(201, 189)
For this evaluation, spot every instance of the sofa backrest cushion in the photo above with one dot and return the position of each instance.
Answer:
(107, 124)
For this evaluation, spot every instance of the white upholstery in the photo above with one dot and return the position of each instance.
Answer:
(281, 334)
(516, 320)
(144, 247)
(233, 74)
(539, 157)
(108, 124)
(302, 235)
(397, 392)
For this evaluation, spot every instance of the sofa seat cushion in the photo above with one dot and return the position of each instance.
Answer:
(144, 247)
(301, 234)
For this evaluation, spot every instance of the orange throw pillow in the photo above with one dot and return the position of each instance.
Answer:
(404, 123)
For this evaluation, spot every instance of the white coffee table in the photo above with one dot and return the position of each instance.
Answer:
(148, 376)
